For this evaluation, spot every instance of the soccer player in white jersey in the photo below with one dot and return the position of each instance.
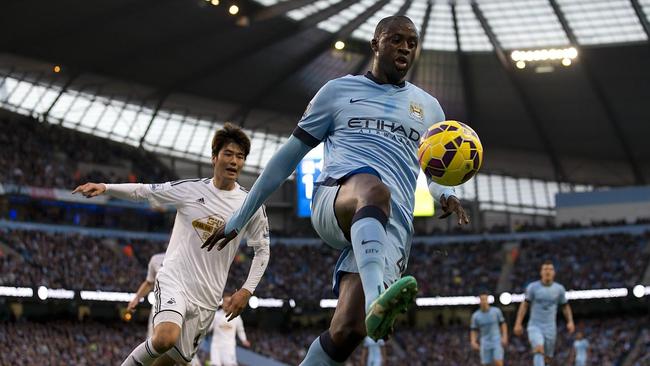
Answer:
(155, 263)
(190, 284)
(223, 348)
(363, 202)
(543, 297)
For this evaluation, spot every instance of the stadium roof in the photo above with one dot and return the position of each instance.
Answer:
(190, 64)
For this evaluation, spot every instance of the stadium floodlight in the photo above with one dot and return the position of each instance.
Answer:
(151, 298)
(233, 10)
(56, 293)
(106, 296)
(42, 292)
(292, 303)
(639, 291)
(16, 291)
(544, 54)
(328, 303)
(505, 298)
(339, 45)
(254, 302)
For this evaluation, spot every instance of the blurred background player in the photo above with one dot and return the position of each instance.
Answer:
(363, 201)
(373, 352)
(580, 351)
(489, 321)
(223, 348)
(189, 286)
(155, 263)
(543, 297)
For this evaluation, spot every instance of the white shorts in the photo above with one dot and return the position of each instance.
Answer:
(326, 225)
(222, 356)
(150, 322)
(172, 306)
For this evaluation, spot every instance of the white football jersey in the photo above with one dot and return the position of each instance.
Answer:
(155, 263)
(223, 331)
(201, 209)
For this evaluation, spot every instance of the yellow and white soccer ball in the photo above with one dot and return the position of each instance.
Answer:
(450, 153)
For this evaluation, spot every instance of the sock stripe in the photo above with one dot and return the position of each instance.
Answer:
(136, 361)
(146, 346)
(373, 212)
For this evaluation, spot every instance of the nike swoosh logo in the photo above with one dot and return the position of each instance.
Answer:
(364, 242)
(356, 100)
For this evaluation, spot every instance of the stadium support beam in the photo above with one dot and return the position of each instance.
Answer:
(64, 89)
(599, 92)
(263, 34)
(423, 34)
(643, 17)
(279, 9)
(560, 175)
(297, 64)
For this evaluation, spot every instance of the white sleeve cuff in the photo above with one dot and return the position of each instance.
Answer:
(438, 191)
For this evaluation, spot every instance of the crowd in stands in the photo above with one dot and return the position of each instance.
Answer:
(72, 261)
(65, 343)
(584, 262)
(45, 155)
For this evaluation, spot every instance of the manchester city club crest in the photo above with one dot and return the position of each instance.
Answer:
(416, 112)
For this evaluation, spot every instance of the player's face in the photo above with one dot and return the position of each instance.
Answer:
(395, 49)
(229, 161)
(484, 300)
(547, 273)
(579, 335)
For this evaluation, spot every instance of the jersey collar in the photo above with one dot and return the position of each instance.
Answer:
(372, 77)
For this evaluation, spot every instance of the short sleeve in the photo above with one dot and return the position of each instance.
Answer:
(257, 230)
(530, 292)
(438, 114)
(562, 298)
(318, 119)
(500, 316)
(151, 271)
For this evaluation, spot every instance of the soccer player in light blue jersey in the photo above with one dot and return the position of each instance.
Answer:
(580, 350)
(543, 297)
(371, 126)
(490, 323)
(373, 352)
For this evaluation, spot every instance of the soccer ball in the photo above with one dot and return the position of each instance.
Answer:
(450, 153)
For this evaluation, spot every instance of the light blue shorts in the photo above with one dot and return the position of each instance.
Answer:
(581, 362)
(538, 337)
(489, 355)
(326, 225)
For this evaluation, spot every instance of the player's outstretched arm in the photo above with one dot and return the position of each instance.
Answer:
(278, 169)
(521, 313)
(145, 288)
(90, 190)
(504, 334)
(568, 316)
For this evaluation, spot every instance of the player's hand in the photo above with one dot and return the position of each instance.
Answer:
(475, 346)
(217, 236)
(519, 330)
(504, 341)
(570, 327)
(237, 303)
(246, 343)
(89, 190)
(132, 304)
(451, 205)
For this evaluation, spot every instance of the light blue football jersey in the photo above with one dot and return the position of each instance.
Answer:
(581, 346)
(487, 323)
(367, 124)
(544, 301)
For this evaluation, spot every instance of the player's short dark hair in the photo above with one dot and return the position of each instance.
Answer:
(483, 291)
(230, 133)
(386, 22)
(547, 262)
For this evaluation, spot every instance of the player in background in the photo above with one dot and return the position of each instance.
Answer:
(373, 352)
(155, 263)
(543, 297)
(490, 323)
(363, 202)
(580, 351)
(190, 284)
(223, 348)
